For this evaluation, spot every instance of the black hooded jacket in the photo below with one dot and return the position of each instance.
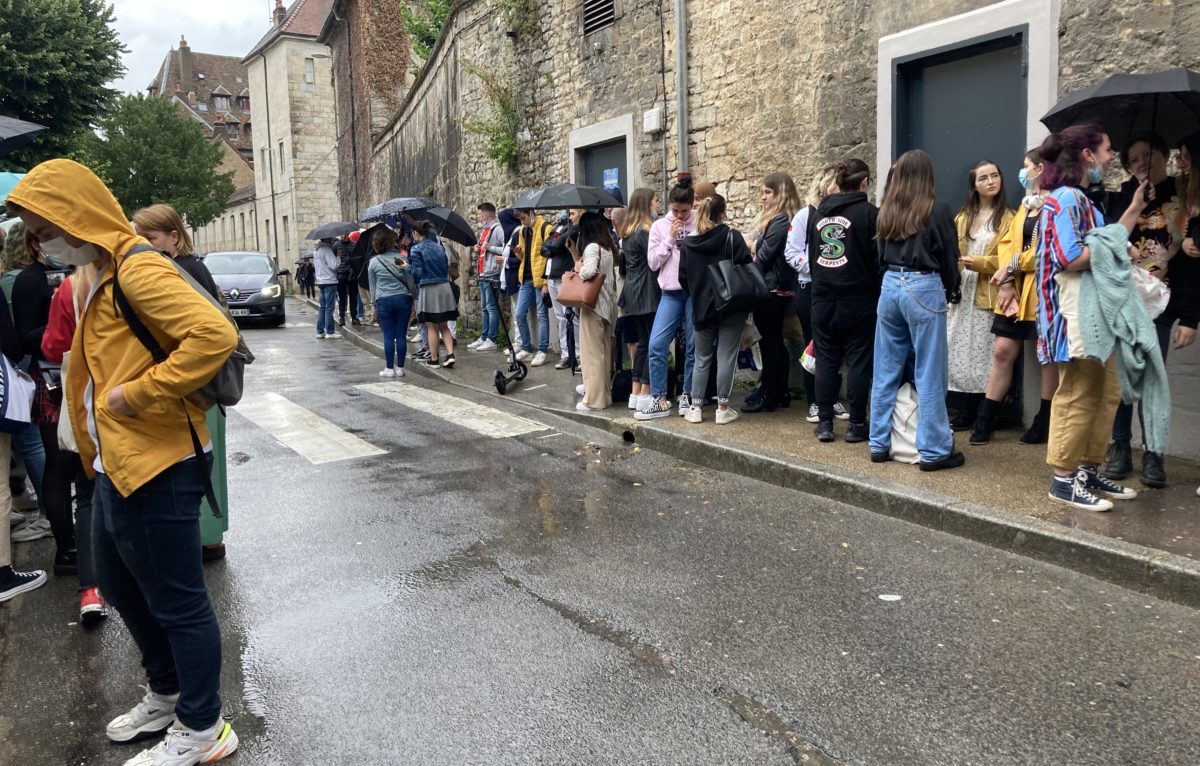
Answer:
(695, 254)
(769, 255)
(842, 255)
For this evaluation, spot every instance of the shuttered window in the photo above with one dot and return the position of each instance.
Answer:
(597, 15)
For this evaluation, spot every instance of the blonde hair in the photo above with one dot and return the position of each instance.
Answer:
(709, 213)
(785, 200)
(637, 215)
(81, 287)
(165, 218)
(819, 189)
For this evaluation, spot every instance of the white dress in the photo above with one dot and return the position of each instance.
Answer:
(969, 329)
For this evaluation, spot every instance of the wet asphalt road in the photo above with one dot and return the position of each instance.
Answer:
(535, 600)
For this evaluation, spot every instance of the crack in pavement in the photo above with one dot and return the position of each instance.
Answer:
(802, 749)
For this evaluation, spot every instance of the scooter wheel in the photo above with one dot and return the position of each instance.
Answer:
(522, 370)
(501, 383)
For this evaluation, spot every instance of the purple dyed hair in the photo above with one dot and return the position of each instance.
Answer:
(1062, 154)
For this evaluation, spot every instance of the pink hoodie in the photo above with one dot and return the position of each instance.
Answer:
(663, 253)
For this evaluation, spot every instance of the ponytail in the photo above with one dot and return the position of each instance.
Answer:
(710, 213)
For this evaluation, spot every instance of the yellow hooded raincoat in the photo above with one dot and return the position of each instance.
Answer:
(196, 336)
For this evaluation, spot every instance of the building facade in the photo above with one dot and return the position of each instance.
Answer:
(294, 143)
(235, 229)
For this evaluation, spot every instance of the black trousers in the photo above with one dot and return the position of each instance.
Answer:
(844, 331)
(642, 324)
(804, 313)
(768, 318)
(348, 292)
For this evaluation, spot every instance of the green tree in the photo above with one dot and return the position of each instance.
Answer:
(56, 60)
(150, 153)
(423, 21)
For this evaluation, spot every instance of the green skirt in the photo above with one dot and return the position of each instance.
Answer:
(212, 528)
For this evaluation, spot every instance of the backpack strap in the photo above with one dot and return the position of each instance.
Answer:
(147, 339)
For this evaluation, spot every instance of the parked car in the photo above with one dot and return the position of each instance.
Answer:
(251, 285)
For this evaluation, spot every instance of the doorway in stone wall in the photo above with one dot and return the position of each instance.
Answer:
(604, 166)
(962, 106)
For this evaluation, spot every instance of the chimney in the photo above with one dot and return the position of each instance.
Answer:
(185, 63)
(280, 12)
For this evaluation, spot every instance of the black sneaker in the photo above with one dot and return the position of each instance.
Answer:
(1120, 460)
(961, 422)
(1038, 433)
(953, 460)
(1094, 482)
(13, 583)
(1073, 491)
(66, 563)
(449, 362)
(824, 431)
(1153, 474)
(884, 456)
(422, 355)
(857, 432)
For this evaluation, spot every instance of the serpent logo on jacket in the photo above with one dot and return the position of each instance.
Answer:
(832, 232)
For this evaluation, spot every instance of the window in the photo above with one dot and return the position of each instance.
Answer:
(310, 71)
(281, 165)
(242, 229)
(287, 241)
(201, 107)
(232, 130)
(244, 103)
(597, 15)
(221, 103)
(264, 160)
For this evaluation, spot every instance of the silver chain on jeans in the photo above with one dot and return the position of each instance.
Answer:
(904, 283)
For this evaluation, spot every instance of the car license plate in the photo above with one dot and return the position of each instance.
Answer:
(239, 312)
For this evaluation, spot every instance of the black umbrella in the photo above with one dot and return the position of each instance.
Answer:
(563, 196)
(331, 230)
(450, 224)
(15, 134)
(394, 207)
(1166, 103)
(362, 248)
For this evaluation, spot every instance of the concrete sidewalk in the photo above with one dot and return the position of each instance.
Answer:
(1151, 544)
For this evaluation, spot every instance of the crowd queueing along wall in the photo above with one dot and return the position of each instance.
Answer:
(770, 86)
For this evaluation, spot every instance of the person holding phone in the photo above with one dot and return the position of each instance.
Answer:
(392, 288)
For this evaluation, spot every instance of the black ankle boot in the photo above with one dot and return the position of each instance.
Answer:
(985, 424)
(66, 563)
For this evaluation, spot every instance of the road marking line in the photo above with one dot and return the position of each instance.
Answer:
(477, 417)
(303, 431)
(534, 388)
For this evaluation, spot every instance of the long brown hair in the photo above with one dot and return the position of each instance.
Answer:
(709, 213)
(165, 218)
(786, 199)
(909, 197)
(974, 200)
(639, 214)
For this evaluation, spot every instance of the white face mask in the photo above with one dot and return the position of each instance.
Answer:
(59, 249)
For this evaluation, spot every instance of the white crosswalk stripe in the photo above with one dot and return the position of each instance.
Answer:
(306, 433)
(480, 418)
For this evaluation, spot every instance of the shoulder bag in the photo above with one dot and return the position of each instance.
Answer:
(736, 287)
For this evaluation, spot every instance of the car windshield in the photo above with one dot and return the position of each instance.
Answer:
(238, 263)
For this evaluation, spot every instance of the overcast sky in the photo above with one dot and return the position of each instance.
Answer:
(150, 28)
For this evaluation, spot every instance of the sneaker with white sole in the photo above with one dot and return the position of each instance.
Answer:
(31, 529)
(26, 501)
(579, 389)
(475, 344)
(839, 411)
(14, 583)
(150, 716)
(524, 356)
(633, 401)
(1106, 486)
(694, 415)
(660, 407)
(685, 404)
(320, 336)
(399, 372)
(15, 517)
(487, 345)
(333, 335)
(814, 413)
(184, 747)
(387, 372)
(644, 401)
(726, 416)
(581, 407)
(1073, 491)
(538, 359)
(92, 607)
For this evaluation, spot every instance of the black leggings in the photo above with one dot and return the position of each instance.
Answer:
(61, 468)
(642, 325)
(804, 313)
(768, 318)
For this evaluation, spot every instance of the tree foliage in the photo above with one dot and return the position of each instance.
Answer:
(423, 21)
(150, 153)
(56, 60)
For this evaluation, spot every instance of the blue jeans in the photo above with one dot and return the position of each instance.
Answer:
(393, 313)
(147, 559)
(912, 323)
(489, 303)
(27, 445)
(675, 307)
(329, 294)
(528, 296)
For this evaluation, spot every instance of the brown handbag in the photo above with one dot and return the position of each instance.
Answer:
(577, 293)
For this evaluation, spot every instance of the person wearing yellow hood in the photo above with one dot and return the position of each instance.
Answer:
(131, 422)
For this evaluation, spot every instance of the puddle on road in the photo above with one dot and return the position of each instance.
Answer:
(771, 723)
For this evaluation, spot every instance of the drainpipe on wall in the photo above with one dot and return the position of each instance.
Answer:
(681, 81)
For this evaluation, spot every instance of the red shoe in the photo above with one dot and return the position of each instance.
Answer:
(92, 607)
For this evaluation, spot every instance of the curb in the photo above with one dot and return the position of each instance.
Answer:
(1156, 573)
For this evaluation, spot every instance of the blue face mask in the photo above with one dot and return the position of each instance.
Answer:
(1095, 174)
(1025, 180)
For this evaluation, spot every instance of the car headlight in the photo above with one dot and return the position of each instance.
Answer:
(272, 291)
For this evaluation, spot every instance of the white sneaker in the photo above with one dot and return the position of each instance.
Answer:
(694, 415)
(644, 401)
(475, 344)
(538, 359)
(685, 404)
(30, 530)
(581, 407)
(15, 517)
(184, 747)
(579, 389)
(524, 356)
(840, 412)
(633, 401)
(399, 372)
(726, 416)
(320, 336)
(153, 714)
(333, 335)
(387, 372)
(487, 345)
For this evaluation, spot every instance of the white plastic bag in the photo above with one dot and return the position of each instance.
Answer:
(807, 360)
(1155, 293)
(904, 426)
(16, 397)
(66, 437)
